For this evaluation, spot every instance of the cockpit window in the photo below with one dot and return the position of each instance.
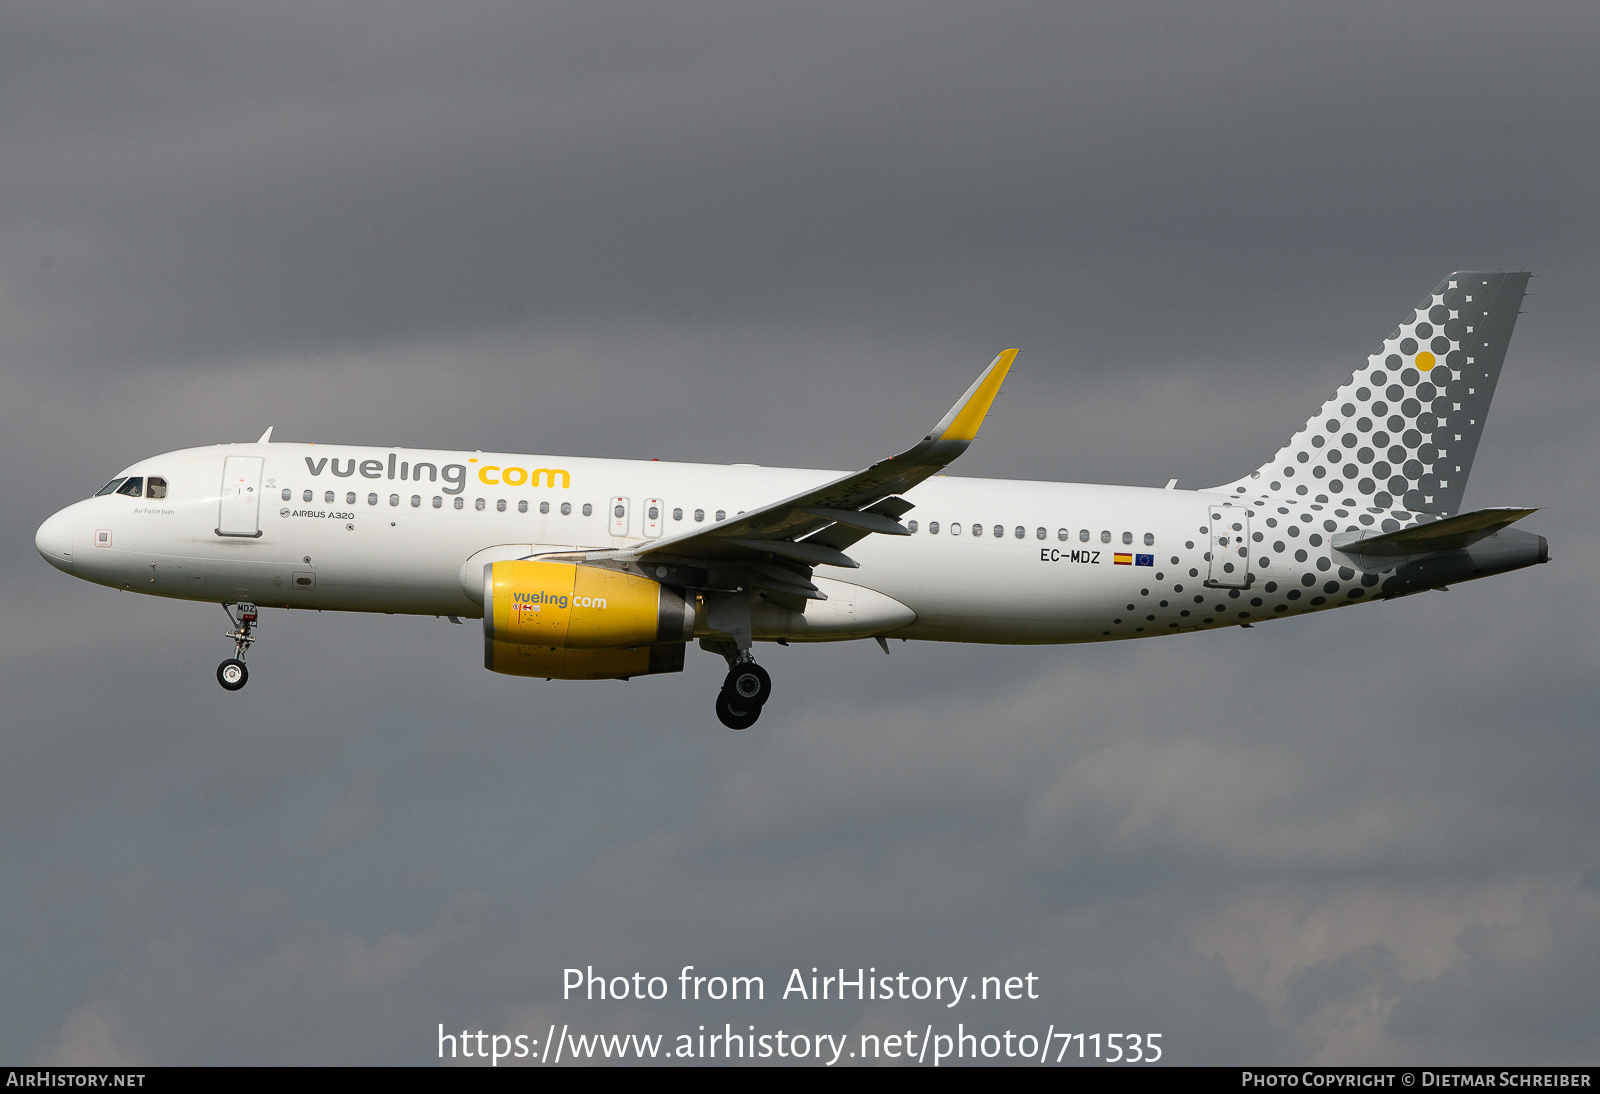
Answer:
(109, 488)
(133, 487)
(155, 487)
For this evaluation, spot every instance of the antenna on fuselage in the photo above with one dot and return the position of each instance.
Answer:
(267, 436)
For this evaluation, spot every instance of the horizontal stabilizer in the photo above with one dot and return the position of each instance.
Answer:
(1449, 534)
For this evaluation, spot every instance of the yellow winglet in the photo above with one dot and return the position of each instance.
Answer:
(966, 416)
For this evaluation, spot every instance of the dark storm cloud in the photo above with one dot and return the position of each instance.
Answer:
(205, 183)
(774, 234)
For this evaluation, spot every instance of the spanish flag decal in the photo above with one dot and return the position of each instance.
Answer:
(1122, 560)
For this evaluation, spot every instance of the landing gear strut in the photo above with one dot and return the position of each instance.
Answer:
(744, 692)
(232, 673)
(747, 686)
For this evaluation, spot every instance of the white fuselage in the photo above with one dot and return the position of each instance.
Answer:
(338, 528)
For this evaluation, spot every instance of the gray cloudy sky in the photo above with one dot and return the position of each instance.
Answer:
(792, 234)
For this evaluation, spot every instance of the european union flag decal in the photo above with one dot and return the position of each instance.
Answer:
(1144, 560)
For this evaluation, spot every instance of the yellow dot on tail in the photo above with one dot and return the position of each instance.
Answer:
(1424, 361)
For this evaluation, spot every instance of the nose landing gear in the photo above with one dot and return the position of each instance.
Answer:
(232, 674)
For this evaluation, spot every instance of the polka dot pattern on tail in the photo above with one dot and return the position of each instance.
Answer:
(1404, 428)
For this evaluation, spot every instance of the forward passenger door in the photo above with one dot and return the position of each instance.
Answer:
(239, 511)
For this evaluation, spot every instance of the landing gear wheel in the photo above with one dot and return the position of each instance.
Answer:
(232, 674)
(747, 686)
(735, 717)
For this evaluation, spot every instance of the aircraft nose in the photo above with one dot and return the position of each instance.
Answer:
(54, 540)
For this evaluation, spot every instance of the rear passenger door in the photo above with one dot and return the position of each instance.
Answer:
(1228, 546)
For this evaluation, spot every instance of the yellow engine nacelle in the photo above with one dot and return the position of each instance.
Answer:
(571, 622)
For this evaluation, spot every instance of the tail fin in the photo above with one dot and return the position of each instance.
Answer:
(1401, 433)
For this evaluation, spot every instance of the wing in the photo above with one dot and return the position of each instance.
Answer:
(784, 539)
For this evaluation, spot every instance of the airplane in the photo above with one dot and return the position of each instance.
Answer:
(594, 569)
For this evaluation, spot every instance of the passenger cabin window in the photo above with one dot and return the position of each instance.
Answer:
(288, 495)
(977, 529)
(479, 504)
(109, 488)
(1127, 537)
(522, 507)
(933, 527)
(350, 498)
(416, 501)
(438, 502)
(722, 514)
(544, 507)
(1149, 539)
(327, 499)
(394, 499)
(133, 487)
(677, 514)
(1062, 534)
(911, 526)
(588, 510)
(500, 506)
(699, 514)
(1105, 537)
(155, 487)
(372, 499)
(1039, 533)
(566, 508)
(1083, 535)
(955, 529)
(461, 503)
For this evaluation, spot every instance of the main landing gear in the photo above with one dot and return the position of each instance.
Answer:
(232, 673)
(744, 692)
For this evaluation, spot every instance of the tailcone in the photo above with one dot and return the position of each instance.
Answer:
(1508, 549)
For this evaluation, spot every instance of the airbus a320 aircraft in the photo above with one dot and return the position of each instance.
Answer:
(596, 569)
